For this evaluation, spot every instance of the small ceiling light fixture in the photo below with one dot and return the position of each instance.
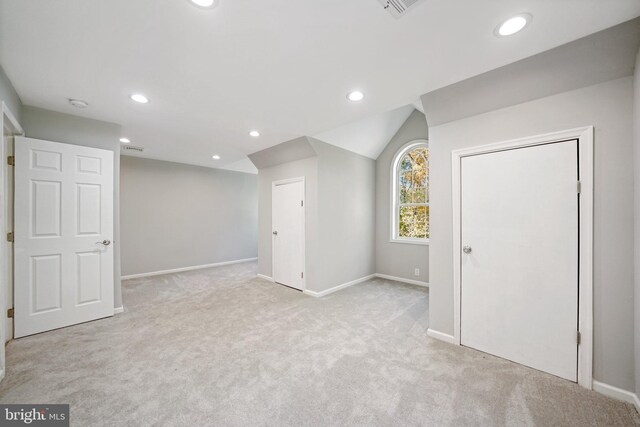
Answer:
(125, 140)
(355, 96)
(206, 4)
(513, 25)
(78, 103)
(216, 157)
(254, 133)
(138, 97)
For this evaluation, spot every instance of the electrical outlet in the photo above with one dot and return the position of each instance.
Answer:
(416, 272)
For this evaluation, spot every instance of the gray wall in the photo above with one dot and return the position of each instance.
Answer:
(607, 106)
(346, 215)
(636, 180)
(59, 127)
(9, 96)
(176, 215)
(397, 259)
(340, 195)
(307, 168)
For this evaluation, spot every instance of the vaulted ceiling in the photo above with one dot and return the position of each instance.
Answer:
(282, 67)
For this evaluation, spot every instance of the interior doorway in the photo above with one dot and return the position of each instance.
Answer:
(288, 232)
(523, 251)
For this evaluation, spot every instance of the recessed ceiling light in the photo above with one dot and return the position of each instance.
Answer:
(205, 3)
(216, 157)
(355, 96)
(254, 133)
(138, 97)
(78, 103)
(125, 140)
(513, 25)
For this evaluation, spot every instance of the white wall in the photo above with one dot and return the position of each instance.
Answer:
(175, 215)
(59, 127)
(397, 259)
(608, 107)
(636, 180)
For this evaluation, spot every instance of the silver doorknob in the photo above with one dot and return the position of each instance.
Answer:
(466, 249)
(104, 242)
(275, 233)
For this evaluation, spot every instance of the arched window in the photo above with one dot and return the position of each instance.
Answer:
(410, 194)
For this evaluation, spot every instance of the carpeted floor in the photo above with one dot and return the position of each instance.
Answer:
(222, 347)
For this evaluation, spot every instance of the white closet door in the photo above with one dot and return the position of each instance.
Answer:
(63, 235)
(519, 295)
(288, 233)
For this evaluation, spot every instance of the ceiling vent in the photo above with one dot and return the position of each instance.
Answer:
(133, 148)
(397, 8)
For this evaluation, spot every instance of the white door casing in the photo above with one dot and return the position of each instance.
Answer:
(10, 128)
(288, 232)
(63, 235)
(584, 137)
(519, 291)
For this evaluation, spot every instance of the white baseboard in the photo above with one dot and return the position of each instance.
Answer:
(441, 336)
(617, 393)
(262, 276)
(118, 310)
(339, 287)
(400, 279)
(180, 270)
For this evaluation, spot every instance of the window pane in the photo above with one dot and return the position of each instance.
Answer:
(406, 164)
(414, 222)
(405, 196)
(405, 179)
(406, 221)
(420, 195)
(420, 222)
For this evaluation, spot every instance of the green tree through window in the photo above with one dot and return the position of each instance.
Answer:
(413, 194)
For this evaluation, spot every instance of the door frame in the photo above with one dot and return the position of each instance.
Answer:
(585, 137)
(274, 184)
(8, 120)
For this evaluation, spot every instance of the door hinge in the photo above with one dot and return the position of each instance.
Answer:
(579, 187)
(302, 275)
(578, 337)
(10, 236)
(302, 203)
(10, 313)
(11, 160)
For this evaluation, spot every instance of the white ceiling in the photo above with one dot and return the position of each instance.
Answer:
(280, 66)
(370, 135)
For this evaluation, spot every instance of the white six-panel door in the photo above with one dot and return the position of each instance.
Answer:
(288, 233)
(63, 235)
(519, 288)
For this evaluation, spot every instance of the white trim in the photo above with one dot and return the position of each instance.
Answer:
(617, 393)
(423, 242)
(394, 238)
(118, 310)
(339, 287)
(584, 136)
(274, 184)
(441, 336)
(182, 269)
(262, 276)
(17, 129)
(403, 280)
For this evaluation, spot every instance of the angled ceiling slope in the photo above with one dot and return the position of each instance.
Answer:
(368, 136)
(603, 56)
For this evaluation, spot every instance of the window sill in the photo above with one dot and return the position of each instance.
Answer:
(410, 242)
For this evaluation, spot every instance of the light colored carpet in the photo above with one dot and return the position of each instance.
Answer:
(222, 347)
